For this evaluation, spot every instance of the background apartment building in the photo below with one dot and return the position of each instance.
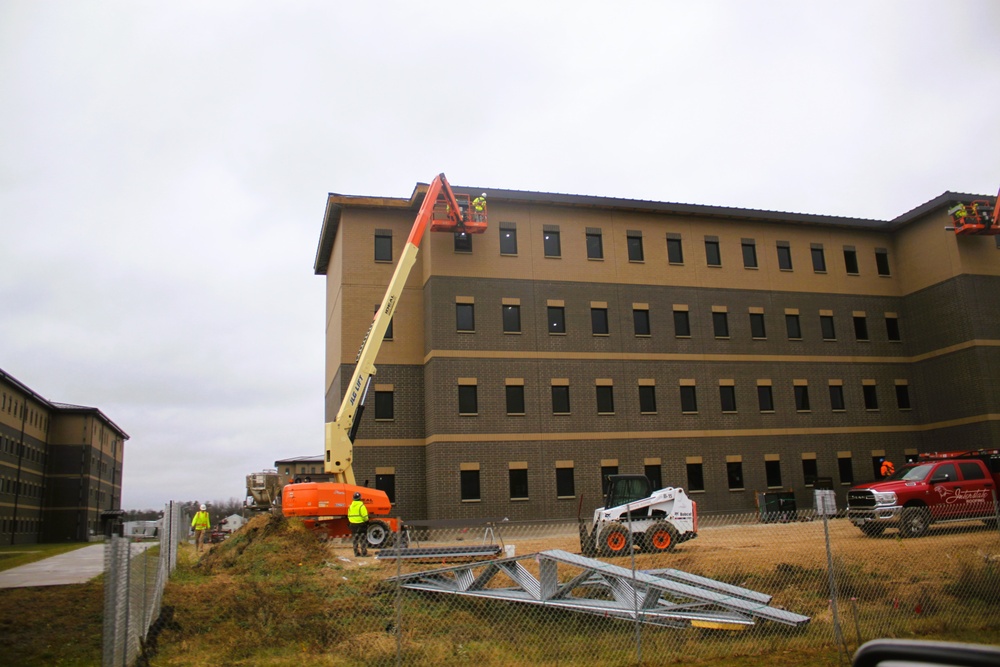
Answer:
(60, 467)
(727, 351)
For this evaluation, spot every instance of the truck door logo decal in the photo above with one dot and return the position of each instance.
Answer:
(958, 496)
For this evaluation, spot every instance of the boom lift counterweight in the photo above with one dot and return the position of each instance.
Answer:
(323, 505)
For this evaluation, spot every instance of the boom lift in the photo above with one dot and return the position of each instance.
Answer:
(976, 217)
(323, 505)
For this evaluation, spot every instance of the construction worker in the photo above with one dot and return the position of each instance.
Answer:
(200, 523)
(357, 516)
(479, 208)
(887, 468)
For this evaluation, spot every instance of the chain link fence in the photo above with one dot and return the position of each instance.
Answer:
(803, 583)
(135, 574)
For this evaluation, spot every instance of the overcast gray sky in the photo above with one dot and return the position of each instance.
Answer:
(164, 167)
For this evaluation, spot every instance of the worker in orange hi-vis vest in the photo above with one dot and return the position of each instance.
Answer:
(887, 468)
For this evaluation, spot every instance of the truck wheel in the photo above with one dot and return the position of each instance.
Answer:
(614, 540)
(872, 529)
(660, 537)
(914, 522)
(378, 536)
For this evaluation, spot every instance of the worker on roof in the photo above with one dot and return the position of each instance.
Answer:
(357, 516)
(479, 208)
(887, 468)
(200, 523)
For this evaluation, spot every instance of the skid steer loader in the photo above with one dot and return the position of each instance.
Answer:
(659, 520)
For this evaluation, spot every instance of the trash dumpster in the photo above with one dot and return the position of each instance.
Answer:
(776, 506)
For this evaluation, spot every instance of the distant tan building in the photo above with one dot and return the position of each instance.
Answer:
(60, 467)
(728, 351)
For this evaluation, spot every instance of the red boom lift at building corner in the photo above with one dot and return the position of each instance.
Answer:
(323, 505)
(976, 217)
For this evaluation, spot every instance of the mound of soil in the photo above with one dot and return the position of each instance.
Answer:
(266, 544)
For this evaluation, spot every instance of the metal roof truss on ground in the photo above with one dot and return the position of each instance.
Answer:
(662, 597)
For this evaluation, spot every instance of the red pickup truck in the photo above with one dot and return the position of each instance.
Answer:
(938, 487)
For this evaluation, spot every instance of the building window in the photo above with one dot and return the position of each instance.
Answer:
(903, 396)
(675, 251)
(518, 478)
(712, 254)
(826, 327)
(599, 321)
(851, 260)
(468, 401)
(734, 474)
(695, 477)
(606, 472)
(654, 474)
(802, 397)
(595, 244)
(749, 253)
(515, 399)
(892, 328)
(860, 327)
(388, 328)
(689, 399)
(551, 244)
(727, 398)
(793, 327)
(647, 399)
(508, 239)
(882, 261)
(757, 329)
(560, 399)
(463, 242)
(871, 396)
(565, 484)
(837, 398)
(640, 320)
(765, 398)
(384, 405)
(818, 258)
(720, 324)
(634, 240)
(469, 482)
(846, 469)
(465, 316)
(810, 471)
(605, 400)
(772, 473)
(386, 482)
(682, 324)
(784, 256)
(383, 246)
(557, 320)
(512, 319)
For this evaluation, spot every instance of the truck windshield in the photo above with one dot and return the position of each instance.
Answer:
(917, 473)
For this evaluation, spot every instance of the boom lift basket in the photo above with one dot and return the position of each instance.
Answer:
(471, 221)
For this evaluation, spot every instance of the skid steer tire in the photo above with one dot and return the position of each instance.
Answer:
(378, 535)
(660, 538)
(614, 540)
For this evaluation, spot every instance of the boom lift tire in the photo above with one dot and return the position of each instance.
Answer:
(661, 537)
(378, 535)
(614, 539)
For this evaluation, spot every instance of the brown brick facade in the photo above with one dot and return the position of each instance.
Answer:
(947, 359)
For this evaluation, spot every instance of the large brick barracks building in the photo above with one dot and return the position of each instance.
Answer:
(727, 351)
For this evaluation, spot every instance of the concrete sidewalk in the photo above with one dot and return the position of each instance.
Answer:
(75, 567)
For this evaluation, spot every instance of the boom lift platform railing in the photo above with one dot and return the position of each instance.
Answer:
(670, 598)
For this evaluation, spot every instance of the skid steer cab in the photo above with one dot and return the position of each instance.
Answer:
(659, 520)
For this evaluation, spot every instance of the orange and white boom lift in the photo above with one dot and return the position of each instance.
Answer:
(976, 218)
(323, 505)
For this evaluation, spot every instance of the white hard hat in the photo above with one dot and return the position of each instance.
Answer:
(203, 508)
(483, 195)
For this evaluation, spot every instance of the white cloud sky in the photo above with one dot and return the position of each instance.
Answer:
(164, 167)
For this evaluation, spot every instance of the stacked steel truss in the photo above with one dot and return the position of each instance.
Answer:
(574, 583)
